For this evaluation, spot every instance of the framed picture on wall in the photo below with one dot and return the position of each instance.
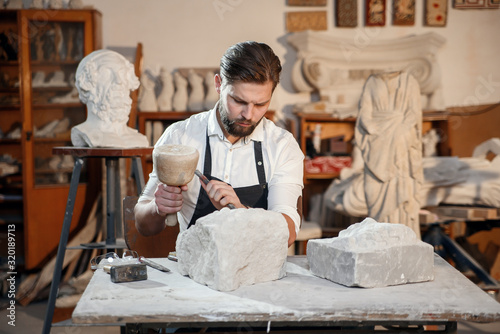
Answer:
(313, 3)
(346, 13)
(436, 12)
(403, 12)
(375, 12)
(474, 4)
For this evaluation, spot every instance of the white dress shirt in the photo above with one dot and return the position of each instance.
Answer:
(235, 163)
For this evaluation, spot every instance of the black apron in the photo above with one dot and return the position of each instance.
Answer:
(252, 196)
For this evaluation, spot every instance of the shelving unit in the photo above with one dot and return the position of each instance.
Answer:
(38, 107)
(343, 131)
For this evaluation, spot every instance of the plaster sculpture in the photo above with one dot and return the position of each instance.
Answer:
(70, 97)
(388, 137)
(372, 254)
(56, 80)
(223, 251)
(36, 4)
(149, 131)
(53, 128)
(211, 97)
(464, 181)
(75, 4)
(180, 98)
(195, 101)
(167, 91)
(104, 80)
(56, 4)
(14, 4)
(38, 79)
(157, 130)
(429, 143)
(337, 68)
(147, 98)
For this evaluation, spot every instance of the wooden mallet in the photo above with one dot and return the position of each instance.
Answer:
(175, 166)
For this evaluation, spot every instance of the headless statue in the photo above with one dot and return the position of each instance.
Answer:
(212, 96)
(387, 174)
(147, 98)
(180, 99)
(104, 80)
(195, 102)
(167, 91)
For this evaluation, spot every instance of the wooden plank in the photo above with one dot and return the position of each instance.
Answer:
(34, 283)
(102, 151)
(466, 213)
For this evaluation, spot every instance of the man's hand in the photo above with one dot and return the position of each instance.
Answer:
(221, 194)
(168, 199)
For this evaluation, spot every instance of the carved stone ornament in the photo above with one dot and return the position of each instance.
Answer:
(104, 80)
(337, 68)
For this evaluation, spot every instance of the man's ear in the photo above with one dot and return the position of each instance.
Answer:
(218, 83)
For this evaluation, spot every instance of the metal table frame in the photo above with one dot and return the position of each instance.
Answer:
(113, 201)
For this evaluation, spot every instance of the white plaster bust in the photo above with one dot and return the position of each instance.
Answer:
(104, 80)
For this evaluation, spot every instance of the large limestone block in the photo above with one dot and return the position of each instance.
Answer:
(372, 254)
(231, 248)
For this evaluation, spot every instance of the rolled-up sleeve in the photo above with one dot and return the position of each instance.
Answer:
(286, 184)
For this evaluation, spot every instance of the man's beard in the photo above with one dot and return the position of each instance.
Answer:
(233, 128)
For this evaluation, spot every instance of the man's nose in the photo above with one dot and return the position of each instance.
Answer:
(248, 111)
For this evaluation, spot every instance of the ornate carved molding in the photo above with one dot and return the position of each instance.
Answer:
(337, 68)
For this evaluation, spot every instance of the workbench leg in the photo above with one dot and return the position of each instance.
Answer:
(451, 327)
(68, 216)
(111, 171)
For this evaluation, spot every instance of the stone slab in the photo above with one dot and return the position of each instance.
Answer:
(231, 248)
(371, 254)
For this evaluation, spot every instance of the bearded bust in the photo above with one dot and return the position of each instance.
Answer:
(104, 80)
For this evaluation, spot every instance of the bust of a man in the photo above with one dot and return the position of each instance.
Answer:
(104, 80)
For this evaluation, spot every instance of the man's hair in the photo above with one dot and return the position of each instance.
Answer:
(250, 62)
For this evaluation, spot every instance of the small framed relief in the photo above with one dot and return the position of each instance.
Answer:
(436, 12)
(375, 12)
(475, 4)
(403, 12)
(310, 20)
(346, 13)
(311, 3)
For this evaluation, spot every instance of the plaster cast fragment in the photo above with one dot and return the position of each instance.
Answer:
(372, 254)
(231, 248)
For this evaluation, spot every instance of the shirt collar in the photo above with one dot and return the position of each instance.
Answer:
(214, 128)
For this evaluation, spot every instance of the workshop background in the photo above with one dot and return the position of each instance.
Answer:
(195, 33)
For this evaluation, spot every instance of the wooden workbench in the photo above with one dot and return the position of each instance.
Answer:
(299, 299)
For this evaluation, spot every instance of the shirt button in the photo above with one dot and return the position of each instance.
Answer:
(259, 163)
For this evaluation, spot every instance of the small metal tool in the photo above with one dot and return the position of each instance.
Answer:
(128, 273)
(152, 264)
(204, 179)
(172, 256)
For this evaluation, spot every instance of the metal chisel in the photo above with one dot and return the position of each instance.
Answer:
(204, 179)
(152, 264)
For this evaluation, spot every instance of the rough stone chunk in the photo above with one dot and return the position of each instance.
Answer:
(231, 248)
(371, 254)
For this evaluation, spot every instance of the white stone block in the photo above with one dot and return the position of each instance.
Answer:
(231, 248)
(372, 254)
